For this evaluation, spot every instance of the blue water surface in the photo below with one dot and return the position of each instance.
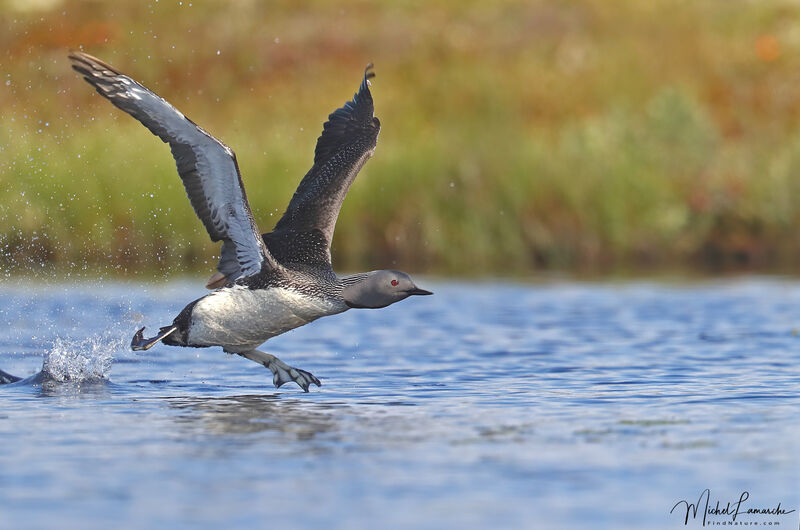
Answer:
(559, 405)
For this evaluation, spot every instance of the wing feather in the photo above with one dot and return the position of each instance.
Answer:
(207, 167)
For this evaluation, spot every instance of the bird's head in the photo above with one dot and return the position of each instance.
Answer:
(378, 289)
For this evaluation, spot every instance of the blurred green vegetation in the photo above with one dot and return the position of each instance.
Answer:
(518, 136)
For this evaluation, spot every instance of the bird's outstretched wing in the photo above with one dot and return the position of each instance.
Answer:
(207, 167)
(348, 140)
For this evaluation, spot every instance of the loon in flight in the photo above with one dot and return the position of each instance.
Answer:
(265, 284)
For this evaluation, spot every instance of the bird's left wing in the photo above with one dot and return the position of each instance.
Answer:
(206, 166)
(348, 140)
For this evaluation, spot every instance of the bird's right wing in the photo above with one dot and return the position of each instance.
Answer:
(207, 167)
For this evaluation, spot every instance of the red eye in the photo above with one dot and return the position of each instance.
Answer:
(394, 283)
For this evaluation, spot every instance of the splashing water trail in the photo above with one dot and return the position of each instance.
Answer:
(88, 359)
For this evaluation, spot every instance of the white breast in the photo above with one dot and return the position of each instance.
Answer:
(240, 319)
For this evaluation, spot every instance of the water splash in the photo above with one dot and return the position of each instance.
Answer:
(88, 359)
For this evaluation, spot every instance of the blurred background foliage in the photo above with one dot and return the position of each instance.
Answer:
(518, 136)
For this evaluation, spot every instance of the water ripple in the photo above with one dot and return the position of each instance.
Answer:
(485, 405)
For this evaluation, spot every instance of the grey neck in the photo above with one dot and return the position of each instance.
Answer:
(353, 279)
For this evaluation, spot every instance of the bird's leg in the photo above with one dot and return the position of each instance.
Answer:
(281, 372)
(139, 343)
(8, 378)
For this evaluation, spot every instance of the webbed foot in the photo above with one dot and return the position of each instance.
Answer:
(282, 373)
(139, 343)
(6, 379)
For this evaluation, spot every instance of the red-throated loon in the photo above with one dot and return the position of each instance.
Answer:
(266, 284)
